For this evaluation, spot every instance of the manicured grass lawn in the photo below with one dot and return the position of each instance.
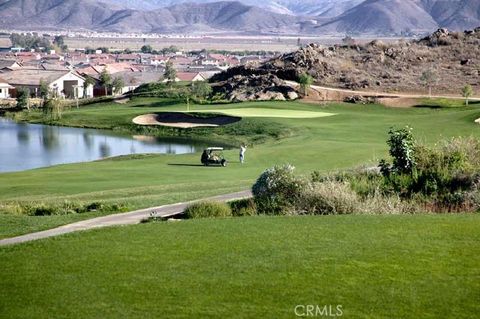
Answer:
(425, 266)
(354, 136)
(272, 113)
(445, 103)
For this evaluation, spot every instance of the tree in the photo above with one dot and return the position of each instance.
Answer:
(127, 51)
(118, 85)
(428, 79)
(44, 90)
(105, 80)
(88, 82)
(402, 150)
(146, 49)
(53, 108)
(30, 41)
(59, 41)
(467, 91)
(23, 97)
(170, 49)
(201, 89)
(305, 80)
(104, 49)
(170, 73)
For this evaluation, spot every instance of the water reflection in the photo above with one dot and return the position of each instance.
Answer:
(87, 140)
(105, 150)
(22, 136)
(50, 137)
(26, 146)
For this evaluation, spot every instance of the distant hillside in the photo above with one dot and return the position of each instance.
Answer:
(292, 7)
(95, 15)
(455, 15)
(317, 17)
(382, 16)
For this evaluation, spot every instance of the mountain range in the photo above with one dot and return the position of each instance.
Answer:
(328, 8)
(316, 17)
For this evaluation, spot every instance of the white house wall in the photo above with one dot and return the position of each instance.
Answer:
(59, 84)
(4, 93)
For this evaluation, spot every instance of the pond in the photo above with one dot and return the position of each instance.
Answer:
(27, 146)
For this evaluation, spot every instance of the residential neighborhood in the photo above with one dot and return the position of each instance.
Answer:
(66, 73)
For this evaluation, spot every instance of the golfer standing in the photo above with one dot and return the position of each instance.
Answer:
(243, 149)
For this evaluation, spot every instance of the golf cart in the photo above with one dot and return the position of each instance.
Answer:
(213, 156)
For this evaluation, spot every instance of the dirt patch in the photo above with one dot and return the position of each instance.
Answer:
(182, 120)
(402, 102)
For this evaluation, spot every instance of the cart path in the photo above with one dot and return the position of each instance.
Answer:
(130, 218)
(383, 94)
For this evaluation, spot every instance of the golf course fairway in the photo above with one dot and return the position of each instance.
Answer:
(371, 266)
(354, 136)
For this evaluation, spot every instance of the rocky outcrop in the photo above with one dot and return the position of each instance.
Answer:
(443, 37)
(251, 87)
(377, 66)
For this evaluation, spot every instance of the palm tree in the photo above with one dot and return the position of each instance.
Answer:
(305, 80)
(105, 80)
(88, 82)
(467, 91)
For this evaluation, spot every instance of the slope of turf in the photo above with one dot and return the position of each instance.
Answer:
(354, 136)
(374, 266)
(271, 113)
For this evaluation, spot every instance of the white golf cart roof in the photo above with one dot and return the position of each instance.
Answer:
(214, 149)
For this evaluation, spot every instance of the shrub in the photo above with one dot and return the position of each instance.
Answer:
(208, 210)
(42, 210)
(378, 203)
(244, 207)
(328, 198)
(402, 144)
(65, 208)
(94, 206)
(277, 190)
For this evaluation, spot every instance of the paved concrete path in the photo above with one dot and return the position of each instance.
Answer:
(119, 219)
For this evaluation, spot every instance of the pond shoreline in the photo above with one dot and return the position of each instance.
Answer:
(32, 145)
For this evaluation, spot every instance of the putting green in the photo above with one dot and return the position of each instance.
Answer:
(267, 112)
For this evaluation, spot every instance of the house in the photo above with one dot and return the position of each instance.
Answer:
(207, 75)
(67, 83)
(113, 68)
(133, 80)
(159, 60)
(4, 89)
(252, 59)
(180, 61)
(188, 77)
(129, 58)
(9, 65)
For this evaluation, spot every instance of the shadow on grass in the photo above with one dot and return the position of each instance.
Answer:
(189, 165)
(158, 104)
(434, 105)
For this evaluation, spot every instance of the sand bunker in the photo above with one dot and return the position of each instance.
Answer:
(477, 121)
(182, 120)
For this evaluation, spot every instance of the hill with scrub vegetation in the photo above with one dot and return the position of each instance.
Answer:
(445, 61)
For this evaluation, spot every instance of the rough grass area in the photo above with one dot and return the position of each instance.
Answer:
(425, 266)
